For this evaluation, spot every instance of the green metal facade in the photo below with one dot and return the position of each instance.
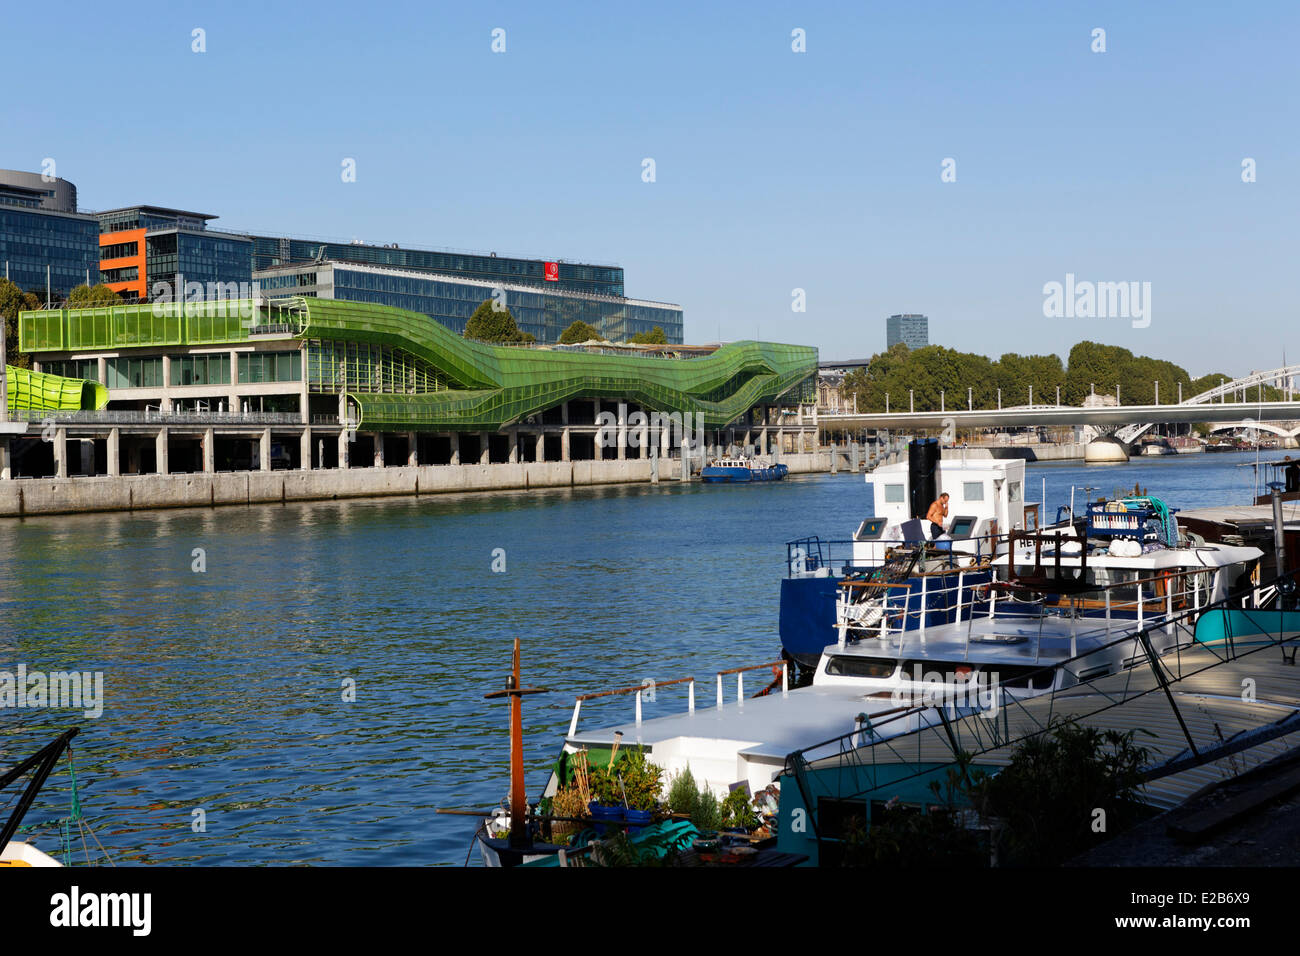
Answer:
(37, 391)
(479, 386)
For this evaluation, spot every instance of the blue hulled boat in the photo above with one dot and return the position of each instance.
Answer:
(741, 470)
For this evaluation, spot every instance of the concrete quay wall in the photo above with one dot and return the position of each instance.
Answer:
(35, 496)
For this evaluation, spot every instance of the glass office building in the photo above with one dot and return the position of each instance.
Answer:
(451, 300)
(910, 329)
(269, 252)
(146, 245)
(35, 235)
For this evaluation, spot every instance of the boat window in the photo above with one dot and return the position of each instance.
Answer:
(972, 490)
(1111, 577)
(949, 672)
(894, 494)
(860, 667)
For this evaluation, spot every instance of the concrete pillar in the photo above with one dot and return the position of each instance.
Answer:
(643, 439)
(455, 448)
(103, 370)
(209, 451)
(304, 450)
(60, 453)
(165, 403)
(564, 413)
(622, 431)
(564, 437)
(762, 441)
(412, 448)
(377, 441)
(264, 450)
(343, 448)
(160, 451)
(484, 448)
(514, 445)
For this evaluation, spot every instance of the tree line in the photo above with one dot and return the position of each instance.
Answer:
(1092, 367)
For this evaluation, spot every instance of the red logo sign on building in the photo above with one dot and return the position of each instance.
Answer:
(552, 272)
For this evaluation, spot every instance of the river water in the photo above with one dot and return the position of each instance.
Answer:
(228, 640)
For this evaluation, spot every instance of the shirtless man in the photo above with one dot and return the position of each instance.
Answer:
(936, 515)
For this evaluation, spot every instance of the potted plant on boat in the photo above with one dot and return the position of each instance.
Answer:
(628, 789)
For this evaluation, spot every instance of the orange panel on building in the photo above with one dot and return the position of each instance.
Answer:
(141, 281)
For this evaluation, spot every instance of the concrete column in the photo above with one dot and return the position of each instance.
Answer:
(160, 451)
(622, 431)
(377, 440)
(264, 450)
(103, 370)
(484, 448)
(165, 403)
(455, 448)
(343, 448)
(304, 450)
(564, 413)
(762, 440)
(209, 451)
(644, 439)
(6, 470)
(304, 402)
(564, 438)
(60, 453)
(412, 448)
(539, 451)
(514, 446)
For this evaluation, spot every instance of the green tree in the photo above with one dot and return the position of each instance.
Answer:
(489, 324)
(86, 297)
(1049, 797)
(12, 301)
(580, 331)
(655, 336)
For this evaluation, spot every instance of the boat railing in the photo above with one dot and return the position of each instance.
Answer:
(866, 762)
(1155, 601)
(650, 687)
(809, 555)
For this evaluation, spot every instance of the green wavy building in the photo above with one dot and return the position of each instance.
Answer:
(404, 386)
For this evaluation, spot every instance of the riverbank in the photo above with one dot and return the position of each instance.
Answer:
(45, 496)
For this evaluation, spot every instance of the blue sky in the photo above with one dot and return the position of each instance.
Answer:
(775, 170)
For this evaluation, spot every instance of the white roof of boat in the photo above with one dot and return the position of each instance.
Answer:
(771, 726)
(1001, 639)
(1246, 514)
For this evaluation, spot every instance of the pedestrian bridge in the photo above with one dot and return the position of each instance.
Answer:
(1127, 422)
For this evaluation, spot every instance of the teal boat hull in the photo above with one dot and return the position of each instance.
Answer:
(1240, 626)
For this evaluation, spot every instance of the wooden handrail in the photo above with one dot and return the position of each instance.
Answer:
(751, 667)
(635, 688)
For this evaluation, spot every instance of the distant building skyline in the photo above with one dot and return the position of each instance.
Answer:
(910, 328)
